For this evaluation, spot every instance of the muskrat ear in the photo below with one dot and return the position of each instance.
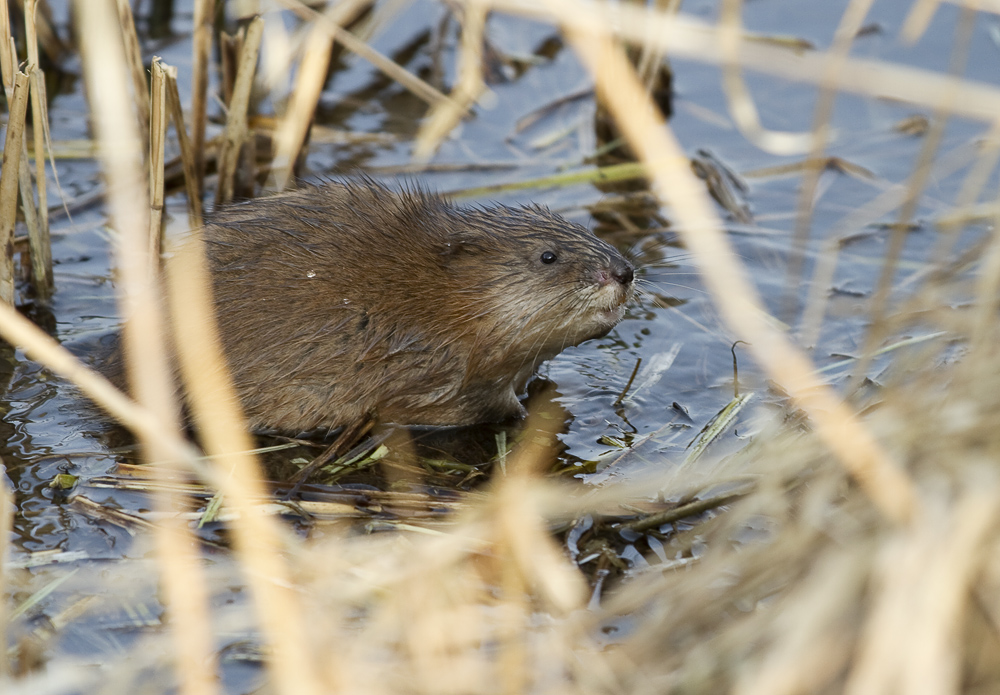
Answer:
(457, 245)
(449, 247)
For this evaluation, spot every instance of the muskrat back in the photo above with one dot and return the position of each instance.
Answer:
(344, 301)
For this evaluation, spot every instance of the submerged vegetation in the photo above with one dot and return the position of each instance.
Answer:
(833, 528)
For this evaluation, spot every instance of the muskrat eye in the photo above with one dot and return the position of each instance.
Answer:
(548, 257)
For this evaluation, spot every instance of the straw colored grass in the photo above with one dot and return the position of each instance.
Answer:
(201, 46)
(41, 249)
(293, 128)
(13, 146)
(237, 135)
(6, 526)
(117, 126)
(392, 69)
(157, 148)
(34, 219)
(188, 159)
(446, 114)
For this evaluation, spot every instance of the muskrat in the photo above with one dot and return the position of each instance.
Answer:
(340, 302)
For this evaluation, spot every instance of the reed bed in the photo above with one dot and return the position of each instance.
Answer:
(850, 547)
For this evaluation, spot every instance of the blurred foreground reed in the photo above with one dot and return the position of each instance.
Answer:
(857, 554)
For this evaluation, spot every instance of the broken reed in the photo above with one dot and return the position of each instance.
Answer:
(18, 106)
(236, 136)
(7, 509)
(18, 180)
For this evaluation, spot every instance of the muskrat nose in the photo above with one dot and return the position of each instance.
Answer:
(621, 270)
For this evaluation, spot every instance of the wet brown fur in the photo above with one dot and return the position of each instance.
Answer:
(339, 302)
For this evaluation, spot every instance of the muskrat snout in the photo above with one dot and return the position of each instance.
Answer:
(614, 288)
(619, 270)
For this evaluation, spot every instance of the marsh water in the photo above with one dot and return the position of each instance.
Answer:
(539, 122)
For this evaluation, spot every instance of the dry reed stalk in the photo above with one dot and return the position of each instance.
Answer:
(27, 193)
(236, 121)
(40, 347)
(530, 562)
(201, 46)
(972, 187)
(38, 235)
(875, 209)
(923, 579)
(230, 46)
(41, 247)
(685, 37)
(8, 51)
(808, 651)
(122, 155)
(650, 57)
(157, 144)
(737, 300)
(133, 57)
(983, 338)
(6, 529)
(843, 38)
(12, 151)
(919, 18)
(115, 123)
(918, 180)
(390, 68)
(290, 133)
(982, 5)
(277, 60)
(188, 158)
(741, 105)
(182, 579)
(444, 116)
(259, 541)
(186, 595)
(8, 59)
(48, 38)
(512, 669)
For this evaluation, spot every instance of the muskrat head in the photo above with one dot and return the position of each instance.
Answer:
(534, 282)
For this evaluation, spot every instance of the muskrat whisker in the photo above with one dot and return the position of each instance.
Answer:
(677, 285)
(645, 282)
(664, 264)
(536, 346)
(692, 272)
(577, 311)
(640, 251)
(522, 329)
(652, 243)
